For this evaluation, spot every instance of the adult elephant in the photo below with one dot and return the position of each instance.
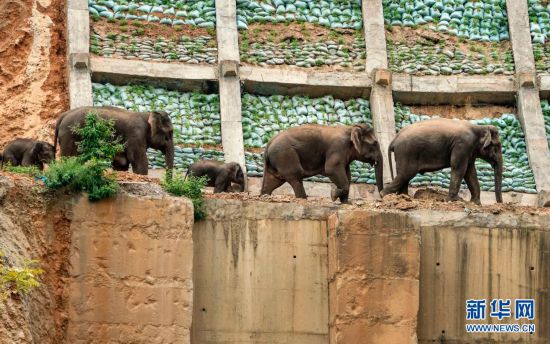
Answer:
(309, 150)
(137, 130)
(439, 143)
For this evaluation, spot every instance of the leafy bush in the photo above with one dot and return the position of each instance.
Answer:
(18, 279)
(32, 171)
(86, 172)
(88, 177)
(190, 187)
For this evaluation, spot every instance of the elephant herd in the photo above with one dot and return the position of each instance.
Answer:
(293, 154)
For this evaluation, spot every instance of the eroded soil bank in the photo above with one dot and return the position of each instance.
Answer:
(33, 87)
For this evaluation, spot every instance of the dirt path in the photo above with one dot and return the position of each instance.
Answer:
(32, 67)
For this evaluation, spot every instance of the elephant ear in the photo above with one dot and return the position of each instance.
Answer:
(490, 137)
(156, 121)
(235, 169)
(356, 137)
(36, 149)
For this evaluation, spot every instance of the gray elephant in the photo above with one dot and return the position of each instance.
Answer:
(137, 130)
(440, 143)
(220, 175)
(28, 152)
(309, 150)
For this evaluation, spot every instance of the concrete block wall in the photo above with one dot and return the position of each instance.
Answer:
(381, 86)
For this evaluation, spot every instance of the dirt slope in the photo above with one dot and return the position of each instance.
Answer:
(32, 67)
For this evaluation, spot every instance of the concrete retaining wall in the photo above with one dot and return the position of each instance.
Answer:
(131, 271)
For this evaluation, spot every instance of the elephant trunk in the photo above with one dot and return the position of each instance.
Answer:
(379, 172)
(498, 179)
(169, 158)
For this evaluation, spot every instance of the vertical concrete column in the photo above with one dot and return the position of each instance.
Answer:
(230, 89)
(78, 45)
(528, 99)
(381, 98)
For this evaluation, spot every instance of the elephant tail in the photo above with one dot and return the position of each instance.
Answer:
(1, 161)
(390, 149)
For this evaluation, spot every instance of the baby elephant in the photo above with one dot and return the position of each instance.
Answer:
(439, 143)
(220, 175)
(28, 152)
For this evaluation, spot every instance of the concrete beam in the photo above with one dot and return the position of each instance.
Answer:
(183, 77)
(532, 121)
(453, 89)
(287, 81)
(78, 45)
(226, 30)
(381, 98)
(229, 82)
(520, 35)
(375, 35)
(383, 121)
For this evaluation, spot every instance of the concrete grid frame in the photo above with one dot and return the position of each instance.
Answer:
(377, 82)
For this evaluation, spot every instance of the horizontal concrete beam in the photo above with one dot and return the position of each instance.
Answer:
(453, 89)
(315, 84)
(184, 77)
(544, 85)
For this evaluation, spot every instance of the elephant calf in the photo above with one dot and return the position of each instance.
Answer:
(439, 143)
(28, 152)
(137, 130)
(309, 150)
(220, 175)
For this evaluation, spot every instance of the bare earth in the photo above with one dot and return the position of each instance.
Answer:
(33, 88)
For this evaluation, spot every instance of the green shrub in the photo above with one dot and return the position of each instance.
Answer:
(32, 171)
(77, 176)
(190, 187)
(86, 172)
(18, 279)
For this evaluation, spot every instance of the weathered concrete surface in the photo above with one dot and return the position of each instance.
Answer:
(520, 35)
(453, 89)
(270, 81)
(131, 275)
(182, 77)
(78, 42)
(260, 274)
(375, 35)
(481, 256)
(532, 121)
(374, 267)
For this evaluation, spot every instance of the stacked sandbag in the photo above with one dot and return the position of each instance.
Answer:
(334, 14)
(201, 13)
(546, 112)
(539, 17)
(195, 50)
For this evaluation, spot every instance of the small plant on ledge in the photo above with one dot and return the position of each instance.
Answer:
(188, 186)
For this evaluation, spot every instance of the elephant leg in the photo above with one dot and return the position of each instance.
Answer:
(27, 160)
(9, 158)
(139, 162)
(473, 183)
(457, 174)
(404, 190)
(270, 183)
(298, 187)
(120, 163)
(399, 184)
(339, 176)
